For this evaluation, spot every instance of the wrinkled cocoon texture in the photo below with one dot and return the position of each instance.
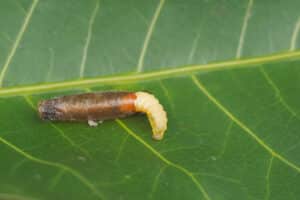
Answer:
(148, 104)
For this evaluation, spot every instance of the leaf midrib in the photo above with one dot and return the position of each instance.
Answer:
(119, 79)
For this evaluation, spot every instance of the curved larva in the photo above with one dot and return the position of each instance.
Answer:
(157, 116)
(99, 106)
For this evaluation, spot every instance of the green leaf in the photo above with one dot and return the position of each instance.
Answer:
(227, 73)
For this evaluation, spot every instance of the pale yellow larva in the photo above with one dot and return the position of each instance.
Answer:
(157, 116)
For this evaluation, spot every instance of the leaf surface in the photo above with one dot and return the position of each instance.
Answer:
(227, 73)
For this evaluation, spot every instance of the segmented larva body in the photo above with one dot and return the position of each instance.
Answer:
(147, 103)
(95, 107)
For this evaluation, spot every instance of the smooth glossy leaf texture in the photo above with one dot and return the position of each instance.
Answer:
(227, 73)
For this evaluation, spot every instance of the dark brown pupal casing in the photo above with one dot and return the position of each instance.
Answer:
(88, 106)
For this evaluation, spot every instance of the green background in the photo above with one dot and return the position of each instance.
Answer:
(227, 73)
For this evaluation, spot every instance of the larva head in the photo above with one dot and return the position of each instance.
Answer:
(48, 110)
(148, 104)
(158, 135)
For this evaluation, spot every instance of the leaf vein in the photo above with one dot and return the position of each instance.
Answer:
(60, 131)
(15, 197)
(56, 179)
(156, 181)
(57, 165)
(277, 92)
(244, 29)
(194, 48)
(121, 79)
(165, 160)
(88, 39)
(269, 169)
(17, 41)
(149, 35)
(121, 147)
(243, 126)
(295, 35)
(224, 178)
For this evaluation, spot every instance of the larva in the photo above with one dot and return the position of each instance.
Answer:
(95, 107)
